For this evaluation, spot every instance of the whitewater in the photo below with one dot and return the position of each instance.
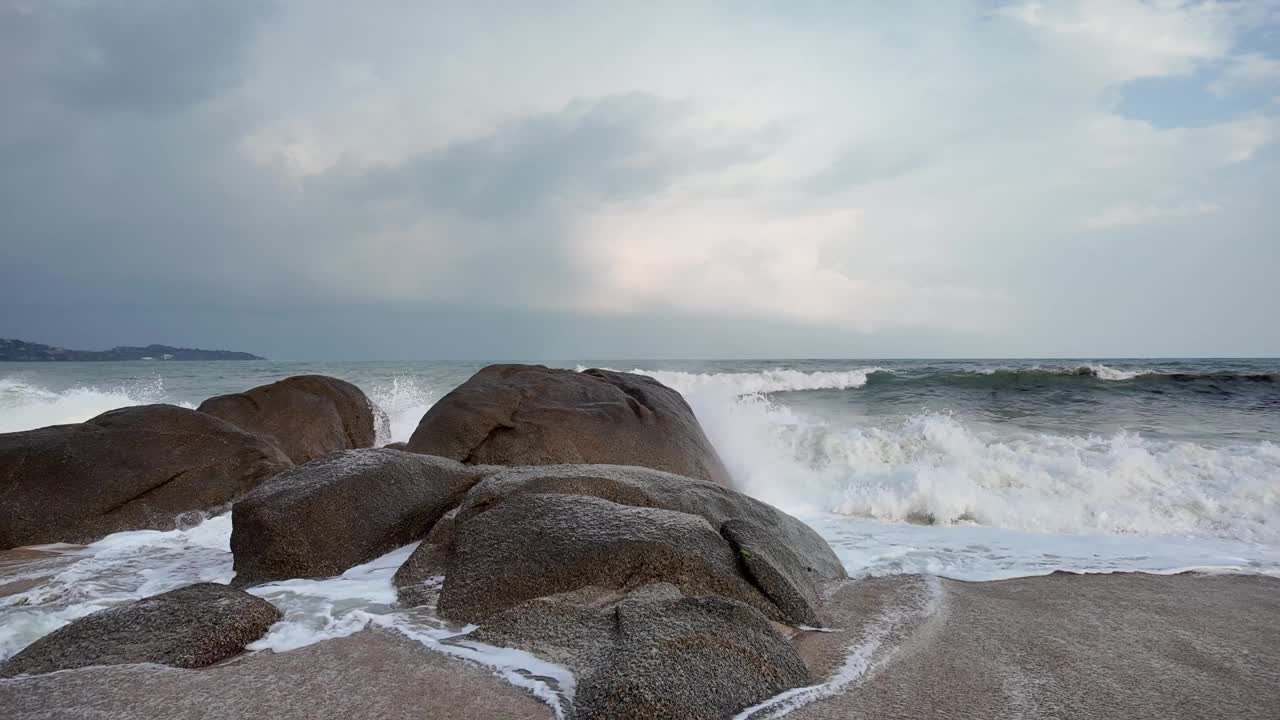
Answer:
(973, 470)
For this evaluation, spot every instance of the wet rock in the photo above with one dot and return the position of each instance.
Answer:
(535, 544)
(344, 509)
(133, 468)
(307, 416)
(419, 579)
(190, 627)
(533, 415)
(655, 653)
(777, 553)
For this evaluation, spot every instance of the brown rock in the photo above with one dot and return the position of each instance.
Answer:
(128, 469)
(533, 415)
(778, 554)
(331, 514)
(305, 415)
(538, 545)
(190, 627)
(655, 654)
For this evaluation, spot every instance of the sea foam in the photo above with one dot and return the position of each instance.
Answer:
(25, 405)
(936, 468)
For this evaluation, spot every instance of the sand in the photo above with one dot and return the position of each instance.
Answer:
(1064, 646)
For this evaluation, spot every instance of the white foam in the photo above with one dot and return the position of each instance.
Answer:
(553, 684)
(937, 468)
(753, 383)
(405, 400)
(1103, 372)
(324, 609)
(861, 657)
(120, 567)
(24, 406)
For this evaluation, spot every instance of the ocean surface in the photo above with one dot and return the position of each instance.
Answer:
(972, 470)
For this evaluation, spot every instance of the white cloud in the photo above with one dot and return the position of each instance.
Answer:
(1246, 72)
(1130, 39)
(1131, 215)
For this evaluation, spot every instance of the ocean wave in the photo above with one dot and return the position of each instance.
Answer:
(935, 468)
(1036, 375)
(24, 406)
(753, 383)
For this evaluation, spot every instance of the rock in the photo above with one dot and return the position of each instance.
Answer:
(397, 446)
(533, 415)
(374, 673)
(775, 569)
(190, 627)
(419, 579)
(655, 653)
(306, 415)
(536, 545)
(128, 469)
(331, 514)
(777, 553)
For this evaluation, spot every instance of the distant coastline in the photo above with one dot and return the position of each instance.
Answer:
(12, 350)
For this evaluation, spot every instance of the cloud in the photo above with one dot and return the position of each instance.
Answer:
(1249, 71)
(861, 172)
(1129, 215)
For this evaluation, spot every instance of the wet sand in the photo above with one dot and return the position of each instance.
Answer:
(1064, 646)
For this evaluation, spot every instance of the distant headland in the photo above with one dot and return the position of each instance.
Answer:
(23, 351)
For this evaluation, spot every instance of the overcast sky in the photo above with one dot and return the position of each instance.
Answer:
(520, 180)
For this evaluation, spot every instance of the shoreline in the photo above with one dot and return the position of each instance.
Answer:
(1069, 645)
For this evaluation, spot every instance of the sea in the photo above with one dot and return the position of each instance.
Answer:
(966, 469)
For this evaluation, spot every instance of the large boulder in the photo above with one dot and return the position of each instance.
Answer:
(547, 544)
(778, 554)
(190, 627)
(306, 415)
(326, 516)
(667, 596)
(133, 468)
(654, 654)
(533, 415)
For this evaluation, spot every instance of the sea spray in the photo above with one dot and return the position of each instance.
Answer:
(936, 468)
(405, 399)
(26, 405)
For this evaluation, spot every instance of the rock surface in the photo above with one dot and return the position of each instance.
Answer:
(321, 518)
(419, 580)
(655, 653)
(533, 415)
(307, 416)
(538, 545)
(372, 674)
(1076, 647)
(665, 595)
(190, 627)
(778, 554)
(132, 468)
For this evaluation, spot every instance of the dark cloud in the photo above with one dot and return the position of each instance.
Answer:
(137, 56)
(593, 150)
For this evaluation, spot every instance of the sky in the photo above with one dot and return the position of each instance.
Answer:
(484, 180)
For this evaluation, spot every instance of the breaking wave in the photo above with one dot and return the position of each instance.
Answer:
(935, 468)
(24, 406)
(768, 381)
